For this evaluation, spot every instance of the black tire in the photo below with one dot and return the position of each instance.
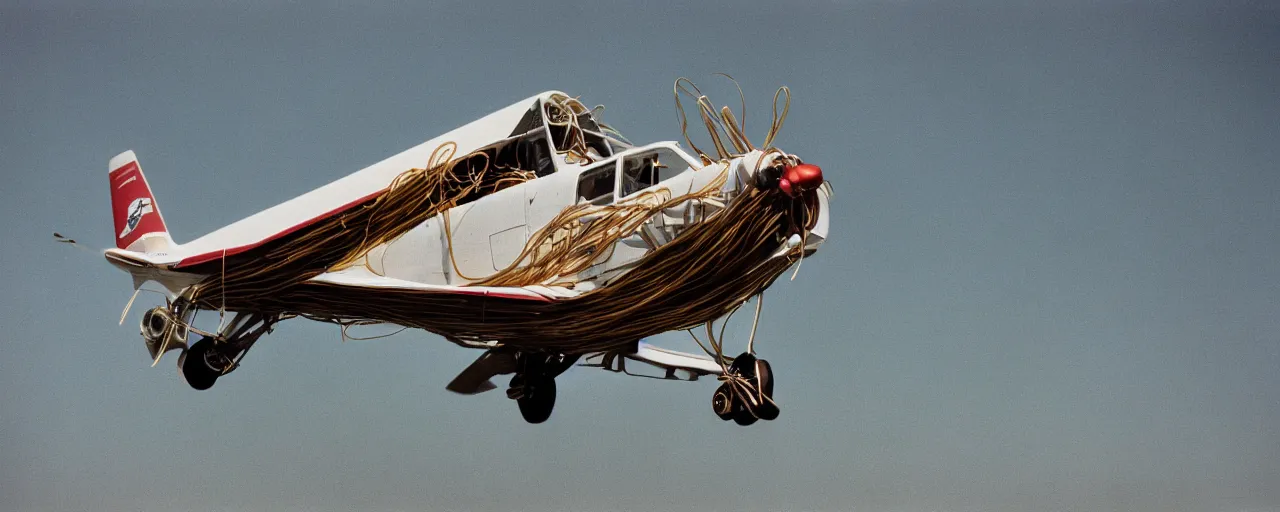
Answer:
(197, 373)
(743, 365)
(761, 374)
(538, 400)
(722, 402)
(767, 411)
(742, 416)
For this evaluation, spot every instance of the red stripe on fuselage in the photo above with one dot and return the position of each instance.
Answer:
(231, 251)
(215, 255)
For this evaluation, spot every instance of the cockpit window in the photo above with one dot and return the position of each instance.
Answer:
(535, 155)
(596, 185)
(593, 136)
(647, 169)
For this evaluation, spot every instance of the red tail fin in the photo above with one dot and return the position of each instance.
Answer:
(137, 217)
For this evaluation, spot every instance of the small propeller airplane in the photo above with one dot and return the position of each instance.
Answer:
(551, 239)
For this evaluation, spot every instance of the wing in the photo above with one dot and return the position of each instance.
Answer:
(671, 361)
(475, 379)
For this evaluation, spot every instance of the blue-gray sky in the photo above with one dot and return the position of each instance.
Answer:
(1052, 281)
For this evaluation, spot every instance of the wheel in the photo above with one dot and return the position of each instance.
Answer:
(743, 365)
(722, 402)
(538, 398)
(767, 411)
(742, 416)
(760, 374)
(195, 370)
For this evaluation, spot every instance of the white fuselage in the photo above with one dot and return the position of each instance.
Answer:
(485, 235)
(490, 233)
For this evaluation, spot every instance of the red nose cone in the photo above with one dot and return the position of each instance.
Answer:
(804, 176)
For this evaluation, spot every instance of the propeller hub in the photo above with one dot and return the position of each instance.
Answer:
(799, 178)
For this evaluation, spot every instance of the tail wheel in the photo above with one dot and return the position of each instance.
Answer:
(195, 369)
(537, 398)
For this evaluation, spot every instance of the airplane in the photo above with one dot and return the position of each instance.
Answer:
(536, 233)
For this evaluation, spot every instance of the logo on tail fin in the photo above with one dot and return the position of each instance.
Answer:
(139, 207)
(133, 207)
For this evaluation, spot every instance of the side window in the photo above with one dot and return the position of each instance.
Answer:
(650, 168)
(534, 154)
(596, 185)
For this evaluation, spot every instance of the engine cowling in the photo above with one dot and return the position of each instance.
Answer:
(161, 333)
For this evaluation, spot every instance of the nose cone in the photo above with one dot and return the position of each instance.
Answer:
(804, 176)
(799, 178)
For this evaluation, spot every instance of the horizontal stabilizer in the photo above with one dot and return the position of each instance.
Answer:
(475, 379)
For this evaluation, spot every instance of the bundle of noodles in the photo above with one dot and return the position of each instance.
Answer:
(698, 277)
(585, 234)
(704, 273)
(339, 241)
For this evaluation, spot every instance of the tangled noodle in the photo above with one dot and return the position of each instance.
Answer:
(704, 273)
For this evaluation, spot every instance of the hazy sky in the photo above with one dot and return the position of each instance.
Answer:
(1052, 282)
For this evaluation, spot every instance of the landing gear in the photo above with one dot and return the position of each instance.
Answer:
(207, 360)
(537, 397)
(534, 385)
(768, 410)
(216, 355)
(722, 402)
(748, 394)
(195, 367)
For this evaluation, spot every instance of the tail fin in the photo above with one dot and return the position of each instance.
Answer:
(139, 225)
